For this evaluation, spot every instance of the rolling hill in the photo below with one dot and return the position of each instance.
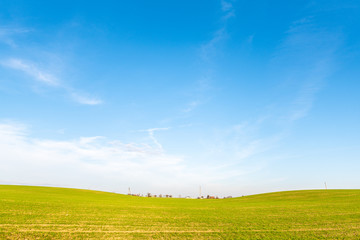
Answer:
(60, 213)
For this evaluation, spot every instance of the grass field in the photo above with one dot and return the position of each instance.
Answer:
(54, 213)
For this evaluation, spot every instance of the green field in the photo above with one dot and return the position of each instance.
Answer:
(54, 213)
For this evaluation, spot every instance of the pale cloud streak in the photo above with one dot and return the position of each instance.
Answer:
(36, 73)
(306, 56)
(192, 105)
(7, 34)
(101, 163)
(304, 47)
(199, 93)
(241, 144)
(311, 49)
(48, 79)
(82, 99)
(209, 48)
(31, 70)
(29, 160)
(228, 9)
(208, 52)
(304, 102)
(151, 132)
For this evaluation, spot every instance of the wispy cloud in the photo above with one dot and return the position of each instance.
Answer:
(241, 144)
(100, 163)
(209, 48)
(82, 99)
(7, 34)
(208, 52)
(36, 161)
(151, 132)
(306, 57)
(192, 105)
(48, 79)
(226, 6)
(228, 9)
(31, 70)
(199, 94)
(304, 101)
(8, 31)
(43, 76)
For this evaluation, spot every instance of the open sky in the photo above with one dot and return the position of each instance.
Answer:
(238, 97)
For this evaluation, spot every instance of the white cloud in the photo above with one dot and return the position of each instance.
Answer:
(92, 162)
(192, 105)
(105, 164)
(250, 39)
(209, 49)
(306, 58)
(199, 94)
(303, 103)
(48, 79)
(228, 9)
(241, 144)
(31, 70)
(82, 99)
(151, 132)
(8, 31)
(7, 34)
(226, 6)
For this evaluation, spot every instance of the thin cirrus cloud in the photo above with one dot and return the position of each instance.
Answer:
(228, 9)
(82, 99)
(7, 34)
(151, 132)
(310, 50)
(208, 51)
(98, 163)
(48, 79)
(36, 161)
(32, 71)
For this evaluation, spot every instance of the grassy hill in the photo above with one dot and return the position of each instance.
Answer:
(54, 213)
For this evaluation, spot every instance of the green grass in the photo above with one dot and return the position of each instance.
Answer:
(60, 213)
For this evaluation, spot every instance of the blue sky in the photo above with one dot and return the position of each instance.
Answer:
(239, 97)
